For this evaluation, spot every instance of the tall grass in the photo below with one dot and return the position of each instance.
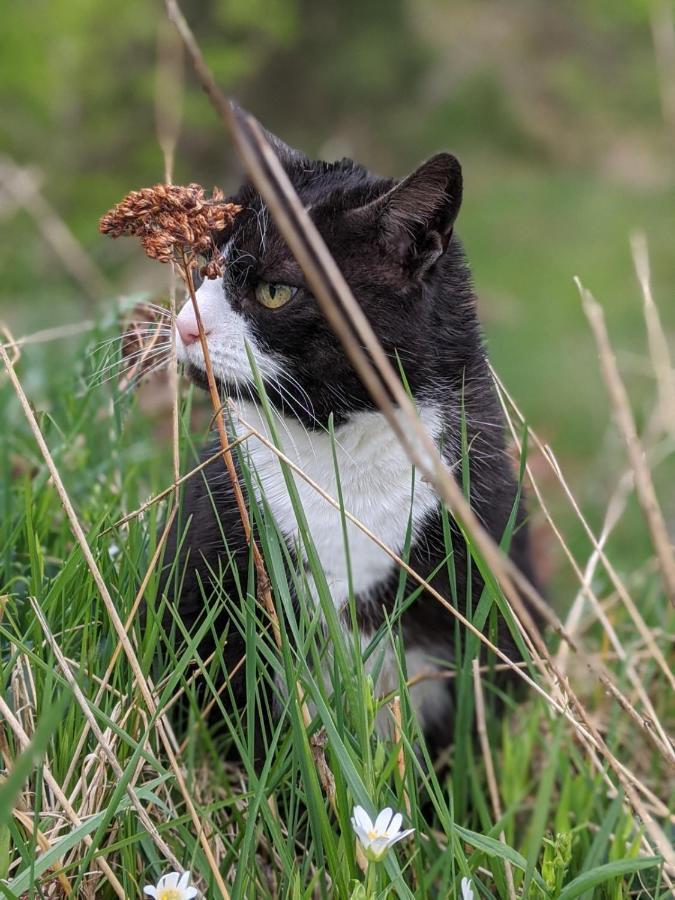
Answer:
(273, 793)
(122, 760)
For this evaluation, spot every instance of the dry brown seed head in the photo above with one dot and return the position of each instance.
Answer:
(173, 222)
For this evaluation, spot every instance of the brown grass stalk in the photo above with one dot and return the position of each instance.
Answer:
(264, 589)
(619, 586)
(644, 486)
(139, 677)
(481, 727)
(103, 744)
(103, 684)
(172, 487)
(168, 115)
(263, 582)
(24, 742)
(395, 706)
(659, 351)
(379, 377)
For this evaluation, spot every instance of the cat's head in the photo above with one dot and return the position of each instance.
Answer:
(393, 242)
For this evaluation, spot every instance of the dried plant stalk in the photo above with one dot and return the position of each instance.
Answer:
(24, 742)
(381, 380)
(139, 678)
(481, 726)
(644, 486)
(177, 224)
(264, 590)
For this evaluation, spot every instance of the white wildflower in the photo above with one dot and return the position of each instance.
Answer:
(172, 886)
(467, 890)
(377, 837)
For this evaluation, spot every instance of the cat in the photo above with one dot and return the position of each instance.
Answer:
(395, 243)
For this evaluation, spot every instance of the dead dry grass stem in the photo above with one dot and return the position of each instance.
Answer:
(140, 679)
(381, 380)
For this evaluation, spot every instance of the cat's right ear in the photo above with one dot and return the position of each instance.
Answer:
(288, 156)
(416, 217)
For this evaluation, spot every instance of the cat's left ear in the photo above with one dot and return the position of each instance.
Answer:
(416, 217)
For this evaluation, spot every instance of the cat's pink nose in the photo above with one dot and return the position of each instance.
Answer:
(188, 335)
(186, 323)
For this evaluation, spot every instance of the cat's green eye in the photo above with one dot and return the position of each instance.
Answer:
(273, 296)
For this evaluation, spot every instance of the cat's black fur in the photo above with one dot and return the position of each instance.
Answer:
(396, 245)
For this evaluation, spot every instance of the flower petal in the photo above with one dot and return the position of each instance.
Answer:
(183, 881)
(150, 890)
(395, 825)
(362, 818)
(383, 820)
(170, 880)
(467, 891)
(361, 835)
(399, 837)
(189, 893)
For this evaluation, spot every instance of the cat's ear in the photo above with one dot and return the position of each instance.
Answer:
(288, 156)
(416, 217)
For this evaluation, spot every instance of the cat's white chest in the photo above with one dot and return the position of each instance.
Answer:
(376, 480)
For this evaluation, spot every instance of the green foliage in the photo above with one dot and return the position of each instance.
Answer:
(557, 123)
(557, 857)
(564, 836)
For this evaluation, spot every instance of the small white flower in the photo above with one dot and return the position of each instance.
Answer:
(377, 837)
(173, 886)
(467, 890)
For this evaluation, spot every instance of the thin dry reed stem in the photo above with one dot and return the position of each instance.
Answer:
(49, 334)
(103, 684)
(395, 706)
(481, 726)
(102, 743)
(619, 586)
(379, 377)
(54, 786)
(22, 186)
(172, 487)
(644, 486)
(141, 681)
(659, 351)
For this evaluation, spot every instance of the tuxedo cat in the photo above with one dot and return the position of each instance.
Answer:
(395, 243)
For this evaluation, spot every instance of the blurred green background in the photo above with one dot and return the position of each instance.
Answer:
(562, 115)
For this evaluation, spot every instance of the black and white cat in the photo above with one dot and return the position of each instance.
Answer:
(395, 244)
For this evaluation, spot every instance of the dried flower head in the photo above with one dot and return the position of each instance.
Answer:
(173, 222)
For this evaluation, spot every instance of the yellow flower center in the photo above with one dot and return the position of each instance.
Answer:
(169, 894)
(373, 835)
